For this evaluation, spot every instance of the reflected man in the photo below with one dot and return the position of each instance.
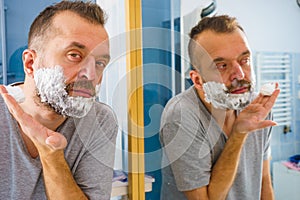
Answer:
(216, 134)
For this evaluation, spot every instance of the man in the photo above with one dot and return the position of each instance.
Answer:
(57, 142)
(216, 134)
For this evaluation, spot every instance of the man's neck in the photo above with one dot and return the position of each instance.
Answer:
(42, 114)
(224, 118)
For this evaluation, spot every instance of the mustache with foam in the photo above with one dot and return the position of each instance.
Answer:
(237, 84)
(81, 84)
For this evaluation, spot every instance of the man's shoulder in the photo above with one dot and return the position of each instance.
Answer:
(185, 108)
(99, 114)
(186, 102)
(100, 106)
(188, 97)
(100, 120)
(102, 111)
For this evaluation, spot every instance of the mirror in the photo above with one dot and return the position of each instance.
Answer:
(2, 43)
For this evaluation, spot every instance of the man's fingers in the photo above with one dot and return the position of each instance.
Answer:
(271, 101)
(257, 99)
(3, 89)
(27, 123)
(35, 131)
(266, 123)
(265, 98)
(14, 108)
(11, 103)
(267, 101)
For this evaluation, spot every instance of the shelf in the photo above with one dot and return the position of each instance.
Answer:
(120, 188)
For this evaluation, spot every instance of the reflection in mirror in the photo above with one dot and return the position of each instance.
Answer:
(190, 16)
(276, 57)
(210, 133)
(163, 67)
(3, 78)
(285, 140)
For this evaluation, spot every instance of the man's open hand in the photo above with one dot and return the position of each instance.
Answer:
(253, 116)
(43, 138)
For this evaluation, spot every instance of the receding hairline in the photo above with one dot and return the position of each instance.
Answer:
(54, 29)
(90, 11)
(218, 25)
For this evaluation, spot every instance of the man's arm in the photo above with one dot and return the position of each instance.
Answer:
(197, 194)
(224, 171)
(59, 182)
(267, 189)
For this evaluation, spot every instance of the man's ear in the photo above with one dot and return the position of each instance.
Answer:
(28, 60)
(196, 78)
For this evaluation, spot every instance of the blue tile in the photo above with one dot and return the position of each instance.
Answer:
(287, 150)
(287, 138)
(297, 147)
(275, 152)
(297, 133)
(275, 139)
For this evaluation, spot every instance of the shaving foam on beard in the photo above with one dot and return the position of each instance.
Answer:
(50, 83)
(217, 95)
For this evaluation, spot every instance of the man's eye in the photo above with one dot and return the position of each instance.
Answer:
(245, 61)
(74, 57)
(100, 64)
(221, 66)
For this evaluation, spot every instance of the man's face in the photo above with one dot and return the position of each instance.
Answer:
(226, 68)
(81, 50)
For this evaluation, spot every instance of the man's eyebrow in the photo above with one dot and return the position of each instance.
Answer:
(77, 44)
(219, 59)
(247, 52)
(106, 56)
(81, 46)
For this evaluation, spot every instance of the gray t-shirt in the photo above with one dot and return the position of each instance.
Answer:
(192, 143)
(89, 154)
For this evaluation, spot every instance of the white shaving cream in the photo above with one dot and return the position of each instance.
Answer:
(268, 89)
(217, 95)
(16, 92)
(50, 83)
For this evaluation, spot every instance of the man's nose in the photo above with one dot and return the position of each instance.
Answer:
(237, 72)
(88, 69)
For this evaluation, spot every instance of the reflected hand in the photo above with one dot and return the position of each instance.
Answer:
(253, 116)
(43, 138)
